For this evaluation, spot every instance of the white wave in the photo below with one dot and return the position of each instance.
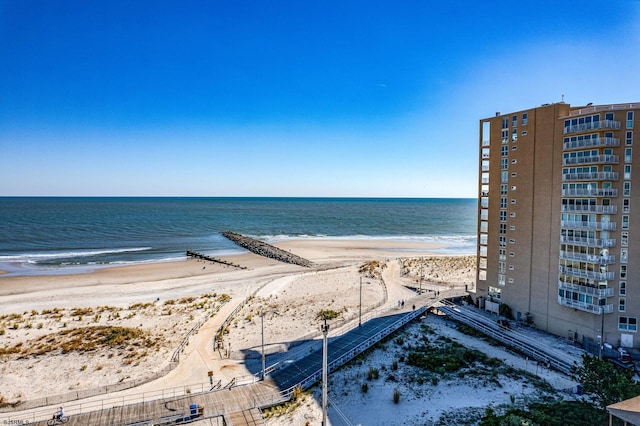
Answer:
(35, 257)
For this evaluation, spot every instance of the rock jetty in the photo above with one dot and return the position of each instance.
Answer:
(266, 250)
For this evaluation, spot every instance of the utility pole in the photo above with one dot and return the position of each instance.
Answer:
(325, 332)
(360, 308)
(263, 359)
(421, 264)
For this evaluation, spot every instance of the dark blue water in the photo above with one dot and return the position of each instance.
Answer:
(49, 235)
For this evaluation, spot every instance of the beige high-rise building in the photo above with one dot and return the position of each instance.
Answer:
(559, 220)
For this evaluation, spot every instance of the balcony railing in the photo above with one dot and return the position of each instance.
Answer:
(590, 176)
(581, 306)
(583, 289)
(593, 208)
(592, 159)
(589, 242)
(589, 258)
(599, 226)
(584, 273)
(590, 143)
(594, 125)
(593, 192)
(599, 108)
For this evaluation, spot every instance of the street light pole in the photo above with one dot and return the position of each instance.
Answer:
(360, 310)
(263, 360)
(325, 332)
(421, 264)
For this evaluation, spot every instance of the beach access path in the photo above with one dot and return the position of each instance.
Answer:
(199, 357)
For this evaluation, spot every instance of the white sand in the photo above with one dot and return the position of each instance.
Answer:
(174, 297)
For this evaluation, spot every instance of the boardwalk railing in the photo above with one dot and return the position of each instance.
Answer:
(519, 341)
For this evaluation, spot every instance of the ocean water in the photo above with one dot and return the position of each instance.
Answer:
(50, 235)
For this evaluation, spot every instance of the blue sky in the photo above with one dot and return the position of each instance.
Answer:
(288, 98)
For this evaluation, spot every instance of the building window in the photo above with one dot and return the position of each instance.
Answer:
(502, 267)
(514, 120)
(502, 254)
(624, 239)
(513, 188)
(623, 288)
(503, 228)
(623, 272)
(501, 280)
(524, 133)
(503, 241)
(628, 323)
(514, 135)
(514, 161)
(627, 155)
(514, 174)
(609, 116)
(512, 214)
(504, 150)
(513, 201)
(628, 138)
(525, 119)
(625, 205)
(503, 189)
(622, 303)
(512, 254)
(504, 164)
(505, 122)
(625, 221)
(624, 255)
(512, 268)
(512, 241)
(630, 120)
(503, 215)
(514, 147)
(512, 228)
(494, 292)
(510, 280)
(504, 177)
(626, 189)
(503, 203)
(627, 171)
(505, 135)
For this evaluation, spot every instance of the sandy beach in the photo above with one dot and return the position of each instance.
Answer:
(164, 301)
(123, 326)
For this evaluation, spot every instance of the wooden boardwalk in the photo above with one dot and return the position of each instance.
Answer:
(239, 406)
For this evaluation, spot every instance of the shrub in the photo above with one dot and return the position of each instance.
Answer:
(373, 374)
(327, 314)
(396, 396)
(364, 388)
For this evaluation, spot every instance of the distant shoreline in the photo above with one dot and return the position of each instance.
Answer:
(412, 246)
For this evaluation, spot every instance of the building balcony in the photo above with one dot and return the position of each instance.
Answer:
(589, 258)
(592, 159)
(591, 143)
(589, 242)
(593, 208)
(590, 176)
(590, 192)
(582, 306)
(587, 274)
(597, 226)
(594, 125)
(583, 289)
